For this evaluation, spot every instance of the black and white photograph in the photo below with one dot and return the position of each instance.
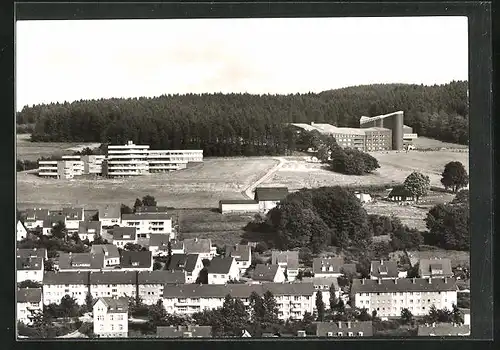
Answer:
(243, 178)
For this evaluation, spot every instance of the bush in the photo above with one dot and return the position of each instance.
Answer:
(261, 247)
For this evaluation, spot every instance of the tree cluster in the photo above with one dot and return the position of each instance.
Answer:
(352, 162)
(244, 124)
(448, 226)
(454, 176)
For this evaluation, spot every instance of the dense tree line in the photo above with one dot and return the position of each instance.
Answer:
(244, 124)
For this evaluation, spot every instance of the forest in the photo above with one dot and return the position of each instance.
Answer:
(245, 124)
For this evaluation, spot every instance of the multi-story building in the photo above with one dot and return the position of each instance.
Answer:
(344, 329)
(89, 230)
(322, 285)
(331, 267)
(21, 233)
(389, 297)
(269, 197)
(222, 270)
(29, 269)
(136, 261)
(110, 216)
(113, 284)
(29, 303)
(189, 264)
(151, 284)
(288, 261)
(201, 246)
(126, 160)
(111, 317)
(158, 209)
(147, 224)
(124, 235)
(293, 299)
(58, 284)
(92, 164)
(242, 253)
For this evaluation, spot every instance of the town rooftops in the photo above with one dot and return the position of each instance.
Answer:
(435, 267)
(29, 295)
(288, 258)
(237, 201)
(443, 330)
(124, 233)
(69, 261)
(115, 305)
(113, 277)
(322, 282)
(403, 285)
(358, 328)
(29, 264)
(151, 209)
(34, 214)
(183, 262)
(73, 213)
(31, 253)
(197, 246)
(265, 273)
(241, 252)
(161, 277)
(220, 265)
(236, 290)
(51, 220)
(110, 251)
(110, 212)
(332, 265)
(184, 331)
(381, 269)
(146, 216)
(158, 240)
(86, 227)
(140, 260)
(70, 277)
(400, 191)
(270, 193)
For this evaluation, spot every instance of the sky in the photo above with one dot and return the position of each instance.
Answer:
(59, 61)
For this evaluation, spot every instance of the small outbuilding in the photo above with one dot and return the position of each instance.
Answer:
(238, 206)
(401, 194)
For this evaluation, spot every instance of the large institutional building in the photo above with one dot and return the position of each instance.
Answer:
(120, 161)
(379, 133)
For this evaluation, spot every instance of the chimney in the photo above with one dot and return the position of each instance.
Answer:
(380, 281)
(363, 281)
(413, 280)
(396, 281)
(339, 324)
(381, 261)
(433, 324)
(445, 280)
(430, 280)
(348, 324)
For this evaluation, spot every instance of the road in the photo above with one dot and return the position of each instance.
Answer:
(249, 191)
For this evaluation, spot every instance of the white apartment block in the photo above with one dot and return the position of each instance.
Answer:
(126, 160)
(322, 285)
(29, 303)
(149, 223)
(151, 284)
(111, 317)
(113, 284)
(22, 233)
(389, 297)
(294, 299)
(58, 284)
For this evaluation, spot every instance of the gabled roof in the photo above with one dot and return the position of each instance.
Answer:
(322, 328)
(158, 240)
(124, 233)
(183, 262)
(36, 214)
(161, 277)
(29, 295)
(115, 305)
(270, 193)
(90, 214)
(265, 273)
(381, 269)
(151, 209)
(73, 213)
(400, 191)
(325, 282)
(238, 201)
(85, 226)
(140, 260)
(220, 265)
(31, 253)
(332, 266)
(403, 285)
(146, 216)
(70, 277)
(290, 258)
(435, 267)
(51, 220)
(109, 251)
(443, 330)
(90, 260)
(184, 331)
(177, 245)
(113, 277)
(241, 252)
(110, 212)
(29, 264)
(197, 245)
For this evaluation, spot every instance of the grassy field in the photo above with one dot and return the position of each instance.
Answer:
(424, 142)
(27, 150)
(201, 186)
(456, 257)
(394, 167)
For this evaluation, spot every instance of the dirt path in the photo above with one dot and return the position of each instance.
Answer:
(249, 191)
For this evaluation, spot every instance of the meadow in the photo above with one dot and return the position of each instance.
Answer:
(27, 150)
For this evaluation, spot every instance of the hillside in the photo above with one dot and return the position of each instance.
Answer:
(244, 124)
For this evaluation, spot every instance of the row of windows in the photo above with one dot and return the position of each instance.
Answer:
(401, 293)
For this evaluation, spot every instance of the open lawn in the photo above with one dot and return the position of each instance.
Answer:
(395, 166)
(424, 142)
(201, 186)
(27, 150)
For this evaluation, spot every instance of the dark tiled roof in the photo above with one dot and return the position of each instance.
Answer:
(220, 265)
(141, 260)
(161, 277)
(270, 193)
(29, 264)
(109, 251)
(85, 226)
(113, 277)
(241, 252)
(236, 290)
(36, 214)
(31, 253)
(56, 278)
(183, 262)
(426, 266)
(177, 245)
(443, 330)
(146, 216)
(322, 328)
(52, 220)
(403, 285)
(90, 214)
(382, 269)
(81, 260)
(335, 263)
(124, 233)
(73, 213)
(400, 191)
(150, 209)
(326, 282)
(158, 240)
(197, 246)
(181, 331)
(265, 272)
(291, 258)
(29, 295)
(115, 305)
(238, 201)
(110, 212)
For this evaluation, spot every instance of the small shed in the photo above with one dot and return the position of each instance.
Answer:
(238, 206)
(401, 194)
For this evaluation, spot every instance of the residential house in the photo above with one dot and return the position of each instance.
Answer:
(332, 267)
(80, 262)
(72, 217)
(136, 261)
(322, 285)
(110, 215)
(293, 299)
(389, 297)
(89, 230)
(34, 218)
(443, 330)
(268, 273)
(201, 246)
(91, 215)
(31, 253)
(58, 284)
(242, 253)
(342, 329)
(288, 261)
(178, 247)
(149, 223)
(384, 270)
(111, 254)
(184, 332)
(22, 233)
(113, 284)
(124, 235)
(51, 221)
(158, 244)
(29, 268)
(238, 206)
(401, 194)
(269, 197)
(111, 317)
(151, 284)
(29, 303)
(435, 268)
(189, 264)
(222, 270)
